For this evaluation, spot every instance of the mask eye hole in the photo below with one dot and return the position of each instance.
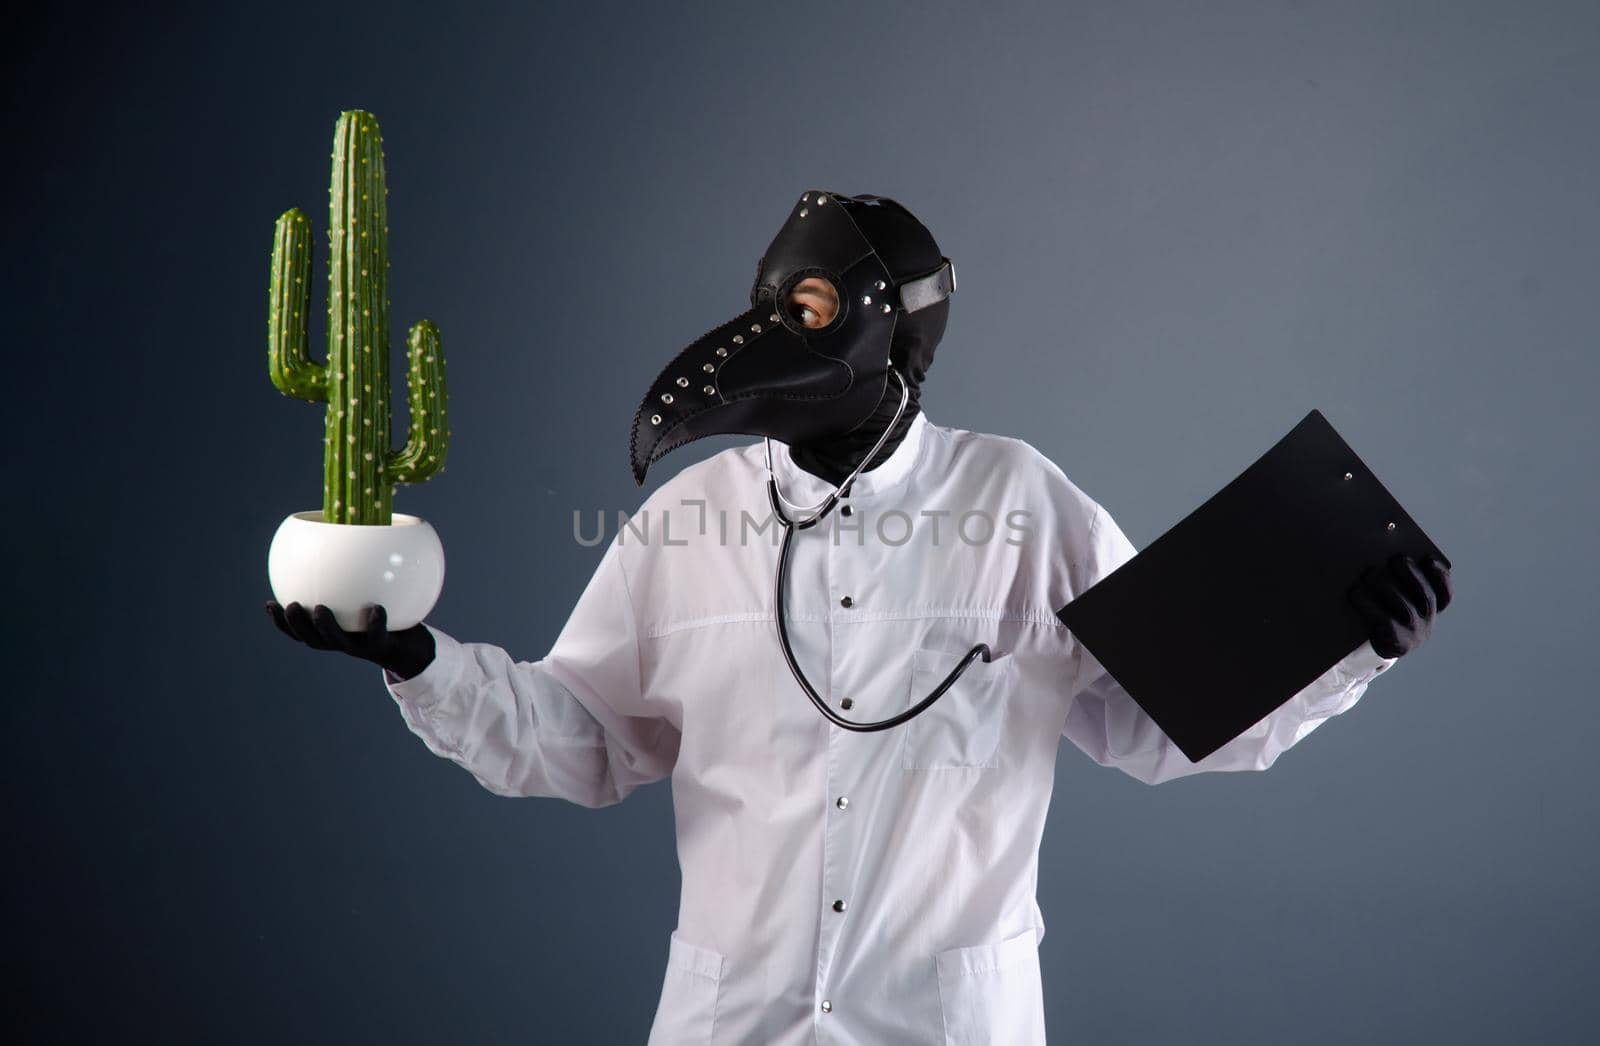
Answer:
(812, 303)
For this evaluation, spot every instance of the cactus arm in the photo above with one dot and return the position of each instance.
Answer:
(423, 455)
(288, 315)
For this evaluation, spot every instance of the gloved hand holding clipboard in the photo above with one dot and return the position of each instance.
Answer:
(1264, 571)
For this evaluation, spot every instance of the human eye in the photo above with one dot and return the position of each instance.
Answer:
(813, 302)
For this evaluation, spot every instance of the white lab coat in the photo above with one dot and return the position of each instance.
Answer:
(926, 835)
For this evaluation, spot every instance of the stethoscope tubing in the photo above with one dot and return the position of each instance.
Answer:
(780, 585)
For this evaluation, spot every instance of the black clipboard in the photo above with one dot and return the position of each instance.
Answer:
(1244, 603)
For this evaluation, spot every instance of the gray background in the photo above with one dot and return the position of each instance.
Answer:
(1177, 231)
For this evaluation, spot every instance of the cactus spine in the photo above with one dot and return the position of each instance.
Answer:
(359, 469)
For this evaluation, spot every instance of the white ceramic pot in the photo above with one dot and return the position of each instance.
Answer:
(347, 566)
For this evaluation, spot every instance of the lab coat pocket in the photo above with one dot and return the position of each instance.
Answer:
(962, 729)
(687, 1011)
(991, 993)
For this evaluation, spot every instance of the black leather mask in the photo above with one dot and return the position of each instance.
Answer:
(763, 373)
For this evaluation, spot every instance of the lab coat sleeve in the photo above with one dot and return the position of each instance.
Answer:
(1108, 725)
(573, 725)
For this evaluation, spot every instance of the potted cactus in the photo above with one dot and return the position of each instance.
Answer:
(356, 551)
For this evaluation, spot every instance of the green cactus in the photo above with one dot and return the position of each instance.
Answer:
(359, 469)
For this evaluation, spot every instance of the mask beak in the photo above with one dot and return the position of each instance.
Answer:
(752, 376)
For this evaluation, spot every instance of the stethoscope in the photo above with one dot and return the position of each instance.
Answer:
(812, 516)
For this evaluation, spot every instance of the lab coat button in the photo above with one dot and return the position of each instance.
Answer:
(838, 905)
(845, 702)
(847, 602)
(845, 511)
(843, 802)
(827, 1007)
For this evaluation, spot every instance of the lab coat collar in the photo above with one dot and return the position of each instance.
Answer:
(802, 487)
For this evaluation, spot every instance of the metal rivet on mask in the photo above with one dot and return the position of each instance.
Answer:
(1349, 475)
(655, 419)
(738, 339)
(683, 383)
(709, 390)
(1391, 526)
(722, 352)
(755, 328)
(806, 198)
(866, 299)
(666, 397)
(804, 212)
(709, 368)
(887, 307)
(773, 317)
(821, 199)
(880, 285)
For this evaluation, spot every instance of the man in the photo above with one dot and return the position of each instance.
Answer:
(841, 884)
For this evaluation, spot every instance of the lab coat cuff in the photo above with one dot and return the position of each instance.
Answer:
(1363, 664)
(1342, 685)
(429, 686)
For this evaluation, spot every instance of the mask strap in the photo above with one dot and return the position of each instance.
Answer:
(929, 289)
(815, 512)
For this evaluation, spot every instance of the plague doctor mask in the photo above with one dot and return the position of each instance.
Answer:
(823, 388)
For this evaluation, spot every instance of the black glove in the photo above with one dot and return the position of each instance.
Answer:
(405, 653)
(1399, 601)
